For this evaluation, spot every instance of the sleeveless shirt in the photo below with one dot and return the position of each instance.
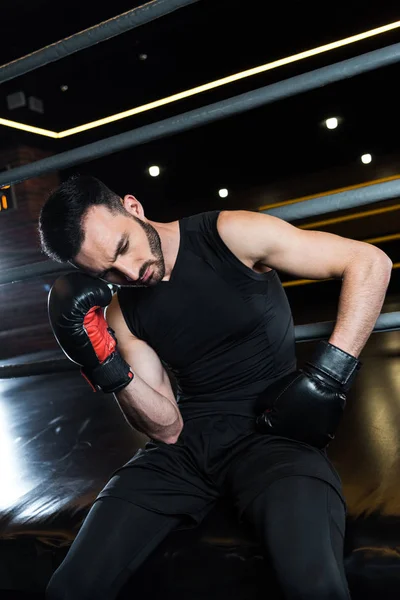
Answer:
(224, 331)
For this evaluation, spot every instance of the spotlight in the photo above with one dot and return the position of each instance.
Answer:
(366, 159)
(154, 171)
(331, 123)
(223, 193)
(64, 88)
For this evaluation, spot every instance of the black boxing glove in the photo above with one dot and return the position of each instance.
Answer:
(307, 405)
(76, 307)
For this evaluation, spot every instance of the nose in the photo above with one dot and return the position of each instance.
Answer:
(127, 268)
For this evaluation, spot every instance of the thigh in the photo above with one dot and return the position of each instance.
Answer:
(165, 479)
(114, 540)
(263, 459)
(301, 521)
(160, 489)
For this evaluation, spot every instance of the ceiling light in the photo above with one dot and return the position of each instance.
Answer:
(154, 171)
(331, 123)
(366, 159)
(223, 193)
(64, 88)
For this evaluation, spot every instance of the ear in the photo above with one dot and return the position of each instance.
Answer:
(133, 206)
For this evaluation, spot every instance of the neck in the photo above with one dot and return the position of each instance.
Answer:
(170, 239)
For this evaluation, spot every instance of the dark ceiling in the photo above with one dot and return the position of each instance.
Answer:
(204, 41)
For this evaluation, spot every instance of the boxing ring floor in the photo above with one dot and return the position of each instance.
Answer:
(59, 444)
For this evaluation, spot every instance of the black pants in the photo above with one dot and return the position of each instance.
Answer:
(300, 520)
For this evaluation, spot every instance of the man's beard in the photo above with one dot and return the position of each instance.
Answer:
(158, 264)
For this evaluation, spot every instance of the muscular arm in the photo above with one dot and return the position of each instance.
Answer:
(148, 401)
(364, 269)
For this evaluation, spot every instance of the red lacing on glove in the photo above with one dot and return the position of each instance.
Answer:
(88, 380)
(97, 329)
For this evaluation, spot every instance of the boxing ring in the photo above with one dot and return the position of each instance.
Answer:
(68, 447)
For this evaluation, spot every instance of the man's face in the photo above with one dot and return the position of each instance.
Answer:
(121, 248)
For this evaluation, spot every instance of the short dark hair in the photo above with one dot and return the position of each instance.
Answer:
(61, 218)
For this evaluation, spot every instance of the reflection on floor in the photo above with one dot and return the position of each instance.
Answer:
(59, 444)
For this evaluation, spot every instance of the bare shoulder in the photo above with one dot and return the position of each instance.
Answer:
(245, 223)
(234, 219)
(231, 222)
(241, 231)
(116, 319)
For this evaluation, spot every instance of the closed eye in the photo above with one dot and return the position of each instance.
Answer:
(124, 248)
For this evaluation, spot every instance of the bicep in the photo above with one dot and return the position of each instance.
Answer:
(277, 244)
(307, 253)
(146, 364)
(143, 360)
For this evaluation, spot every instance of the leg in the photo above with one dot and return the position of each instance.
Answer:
(301, 521)
(119, 534)
(114, 540)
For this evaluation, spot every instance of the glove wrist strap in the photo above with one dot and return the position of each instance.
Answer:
(111, 376)
(335, 363)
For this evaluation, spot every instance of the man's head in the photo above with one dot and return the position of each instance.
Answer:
(85, 223)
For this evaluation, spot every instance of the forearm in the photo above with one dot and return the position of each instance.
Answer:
(362, 295)
(149, 412)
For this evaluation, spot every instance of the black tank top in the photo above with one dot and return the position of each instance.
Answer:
(223, 330)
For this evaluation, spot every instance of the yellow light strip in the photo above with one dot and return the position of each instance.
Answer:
(232, 78)
(384, 238)
(208, 86)
(29, 128)
(353, 216)
(303, 282)
(329, 192)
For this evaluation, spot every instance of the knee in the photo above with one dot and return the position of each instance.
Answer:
(64, 587)
(320, 588)
(54, 590)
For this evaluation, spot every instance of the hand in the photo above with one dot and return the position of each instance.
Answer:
(76, 312)
(307, 405)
